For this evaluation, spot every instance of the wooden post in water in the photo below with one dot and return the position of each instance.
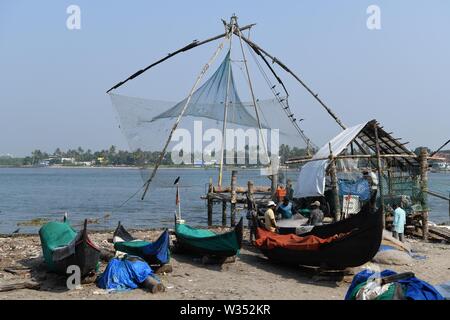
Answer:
(334, 186)
(274, 185)
(210, 202)
(423, 158)
(224, 213)
(250, 189)
(233, 199)
(380, 172)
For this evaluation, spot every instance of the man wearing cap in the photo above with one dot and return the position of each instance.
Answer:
(269, 217)
(316, 215)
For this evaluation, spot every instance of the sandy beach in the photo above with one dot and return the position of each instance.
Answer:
(251, 276)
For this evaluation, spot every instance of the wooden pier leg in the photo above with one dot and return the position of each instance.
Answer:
(273, 186)
(424, 190)
(233, 199)
(210, 202)
(224, 213)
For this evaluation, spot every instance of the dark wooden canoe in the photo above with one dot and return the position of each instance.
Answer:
(63, 247)
(364, 234)
(154, 253)
(207, 243)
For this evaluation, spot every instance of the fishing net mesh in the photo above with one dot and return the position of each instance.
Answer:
(147, 123)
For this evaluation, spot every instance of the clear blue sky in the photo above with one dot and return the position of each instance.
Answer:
(53, 80)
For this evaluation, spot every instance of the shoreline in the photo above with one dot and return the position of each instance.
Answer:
(251, 276)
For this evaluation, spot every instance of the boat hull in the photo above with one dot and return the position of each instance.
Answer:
(154, 253)
(360, 244)
(63, 247)
(221, 245)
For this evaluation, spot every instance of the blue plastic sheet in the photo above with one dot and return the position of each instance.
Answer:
(160, 248)
(124, 274)
(358, 188)
(416, 289)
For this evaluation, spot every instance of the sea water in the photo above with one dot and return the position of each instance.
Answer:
(99, 193)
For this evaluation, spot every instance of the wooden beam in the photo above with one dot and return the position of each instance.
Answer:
(424, 190)
(380, 173)
(190, 46)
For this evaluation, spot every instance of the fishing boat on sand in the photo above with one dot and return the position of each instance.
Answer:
(154, 253)
(62, 247)
(207, 243)
(346, 243)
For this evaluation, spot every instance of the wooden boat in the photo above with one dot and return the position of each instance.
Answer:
(154, 253)
(62, 247)
(207, 243)
(347, 243)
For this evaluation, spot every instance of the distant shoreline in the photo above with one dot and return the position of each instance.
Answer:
(134, 168)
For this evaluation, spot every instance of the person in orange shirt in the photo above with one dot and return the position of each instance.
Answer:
(280, 193)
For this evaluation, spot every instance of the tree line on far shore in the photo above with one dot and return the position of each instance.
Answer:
(111, 157)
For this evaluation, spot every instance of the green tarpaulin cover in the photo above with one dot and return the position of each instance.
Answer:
(206, 239)
(53, 235)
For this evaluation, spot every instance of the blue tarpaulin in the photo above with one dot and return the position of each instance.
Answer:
(415, 289)
(358, 188)
(124, 274)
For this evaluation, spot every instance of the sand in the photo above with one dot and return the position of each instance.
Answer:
(252, 276)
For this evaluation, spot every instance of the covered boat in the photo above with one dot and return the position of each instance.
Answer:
(207, 243)
(154, 253)
(347, 243)
(62, 247)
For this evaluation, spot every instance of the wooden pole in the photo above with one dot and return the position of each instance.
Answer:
(175, 125)
(210, 202)
(424, 190)
(257, 48)
(334, 186)
(224, 213)
(380, 175)
(233, 197)
(225, 107)
(184, 49)
(274, 185)
(250, 188)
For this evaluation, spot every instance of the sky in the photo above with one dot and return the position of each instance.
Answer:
(53, 80)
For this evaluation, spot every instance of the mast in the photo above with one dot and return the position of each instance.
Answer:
(238, 31)
(225, 113)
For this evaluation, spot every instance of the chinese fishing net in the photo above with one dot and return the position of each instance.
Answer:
(147, 123)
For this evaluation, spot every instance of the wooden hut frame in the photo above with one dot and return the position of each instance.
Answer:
(376, 145)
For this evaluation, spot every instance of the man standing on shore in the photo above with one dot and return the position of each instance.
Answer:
(399, 222)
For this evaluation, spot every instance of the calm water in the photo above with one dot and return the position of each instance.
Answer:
(46, 193)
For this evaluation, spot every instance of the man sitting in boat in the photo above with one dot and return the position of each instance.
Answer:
(285, 209)
(316, 215)
(269, 217)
